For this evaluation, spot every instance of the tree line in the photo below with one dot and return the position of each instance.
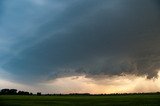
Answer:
(14, 92)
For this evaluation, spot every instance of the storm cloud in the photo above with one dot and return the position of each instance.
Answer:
(51, 39)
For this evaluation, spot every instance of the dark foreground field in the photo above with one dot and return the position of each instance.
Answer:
(129, 100)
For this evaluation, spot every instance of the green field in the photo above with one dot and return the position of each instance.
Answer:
(119, 100)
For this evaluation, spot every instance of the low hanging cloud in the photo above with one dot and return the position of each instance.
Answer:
(88, 37)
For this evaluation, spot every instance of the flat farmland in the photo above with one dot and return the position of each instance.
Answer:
(114, 100)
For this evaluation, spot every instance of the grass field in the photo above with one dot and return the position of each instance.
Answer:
(125, 100)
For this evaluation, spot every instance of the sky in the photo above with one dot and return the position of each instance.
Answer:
(67, 46)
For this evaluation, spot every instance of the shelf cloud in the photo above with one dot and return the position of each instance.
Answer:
(49, 39)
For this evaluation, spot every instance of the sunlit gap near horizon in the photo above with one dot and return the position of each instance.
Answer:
(82, 84)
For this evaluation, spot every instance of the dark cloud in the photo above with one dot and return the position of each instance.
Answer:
(95, 38)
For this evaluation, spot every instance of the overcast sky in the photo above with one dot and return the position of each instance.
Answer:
(42, 40)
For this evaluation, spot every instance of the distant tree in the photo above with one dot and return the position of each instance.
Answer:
(39, 93)
(30, 93)
(23, 93)
(5, 91)
(12, 91)
(26, 93)
(20, 92)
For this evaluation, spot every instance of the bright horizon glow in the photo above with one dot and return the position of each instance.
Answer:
(81, 84)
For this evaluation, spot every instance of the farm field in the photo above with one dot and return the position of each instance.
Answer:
(115, 100)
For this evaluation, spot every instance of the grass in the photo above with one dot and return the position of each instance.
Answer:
(115, 100)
